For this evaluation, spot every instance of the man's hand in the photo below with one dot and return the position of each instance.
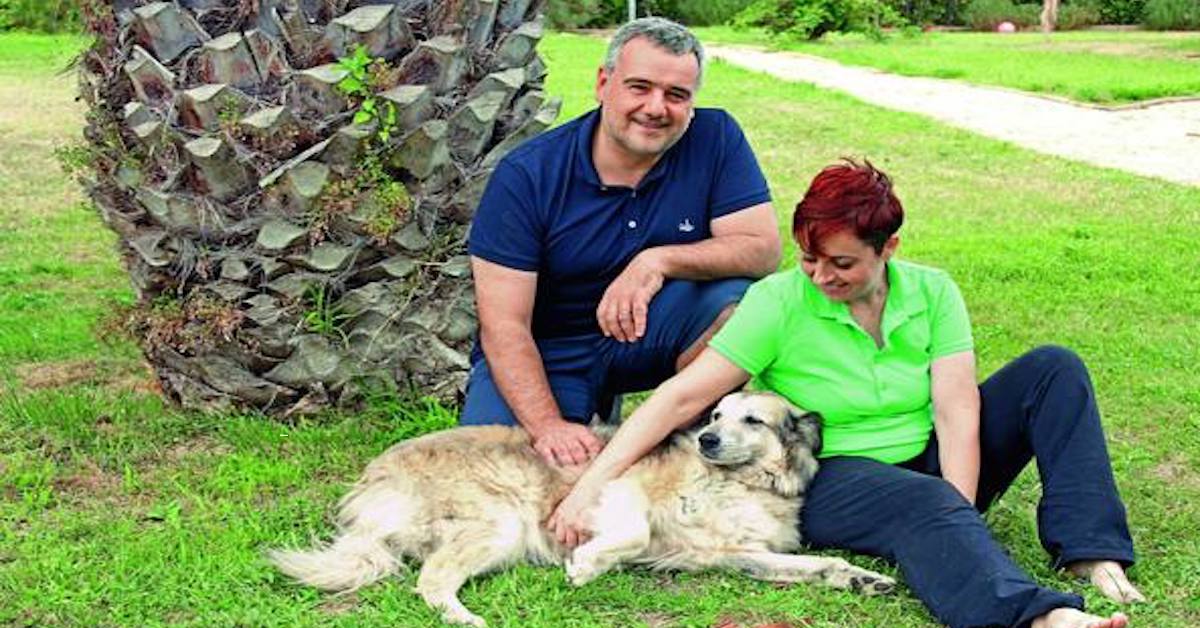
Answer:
(623, 310)
(564, 443)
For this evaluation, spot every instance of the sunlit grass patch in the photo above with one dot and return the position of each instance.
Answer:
(1087, 66)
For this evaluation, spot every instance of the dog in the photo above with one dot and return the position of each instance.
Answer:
(465, 501)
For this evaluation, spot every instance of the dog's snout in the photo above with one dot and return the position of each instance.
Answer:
(709, 441)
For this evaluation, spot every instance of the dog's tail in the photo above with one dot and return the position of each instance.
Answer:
(351, 561)
(374, 518)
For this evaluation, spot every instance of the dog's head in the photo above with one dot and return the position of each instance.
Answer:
(770, 442)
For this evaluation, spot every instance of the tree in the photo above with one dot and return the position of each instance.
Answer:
(1049, 15)
(291, 183)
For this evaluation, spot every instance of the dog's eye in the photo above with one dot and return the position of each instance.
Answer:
(716, 415)
(752, 420)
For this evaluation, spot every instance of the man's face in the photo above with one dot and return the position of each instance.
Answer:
(646, 100)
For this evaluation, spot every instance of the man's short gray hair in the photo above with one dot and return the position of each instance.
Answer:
(664, 33)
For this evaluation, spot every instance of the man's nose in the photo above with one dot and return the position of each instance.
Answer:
(656, 103)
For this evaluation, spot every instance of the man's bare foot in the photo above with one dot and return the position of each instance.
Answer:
(1071, 618)
(1109, 577)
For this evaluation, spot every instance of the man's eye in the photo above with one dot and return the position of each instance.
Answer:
(843, 265)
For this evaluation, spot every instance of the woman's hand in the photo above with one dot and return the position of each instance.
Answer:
(570, 522)
(674, 404)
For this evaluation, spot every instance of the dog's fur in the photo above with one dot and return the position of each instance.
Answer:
(473, 499)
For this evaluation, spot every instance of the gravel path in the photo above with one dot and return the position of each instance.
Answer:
(1159, 140)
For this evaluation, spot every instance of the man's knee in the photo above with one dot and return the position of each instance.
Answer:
(693, 351)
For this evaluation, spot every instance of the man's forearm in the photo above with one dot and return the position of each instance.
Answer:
(717, 257)
(517, 368)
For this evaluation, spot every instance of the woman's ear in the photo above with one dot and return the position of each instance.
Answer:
(889, 247)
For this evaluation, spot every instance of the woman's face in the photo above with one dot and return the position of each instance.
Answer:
(847, 269)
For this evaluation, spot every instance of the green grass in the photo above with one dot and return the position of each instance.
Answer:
(117, 510)
(1086, 66)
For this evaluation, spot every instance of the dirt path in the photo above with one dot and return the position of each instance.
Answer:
(1161, 140)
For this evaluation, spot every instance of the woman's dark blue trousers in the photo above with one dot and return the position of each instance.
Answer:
(1042, 407)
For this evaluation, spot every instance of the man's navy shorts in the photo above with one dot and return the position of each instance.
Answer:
(586, 372)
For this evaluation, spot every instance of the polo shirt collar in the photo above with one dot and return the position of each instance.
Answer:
(586, 168)
(903, 302)
(583, 148)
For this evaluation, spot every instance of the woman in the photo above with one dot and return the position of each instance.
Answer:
(914, 449)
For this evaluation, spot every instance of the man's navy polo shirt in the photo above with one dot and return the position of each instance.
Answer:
(545, 210)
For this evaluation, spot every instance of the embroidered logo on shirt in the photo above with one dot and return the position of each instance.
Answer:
(686, 226)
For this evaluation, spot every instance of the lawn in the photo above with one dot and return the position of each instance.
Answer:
(117, 510)
(1086, 66)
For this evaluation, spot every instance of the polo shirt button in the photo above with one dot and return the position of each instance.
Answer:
(633, 224)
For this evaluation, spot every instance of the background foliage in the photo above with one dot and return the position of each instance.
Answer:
(608, 13)
(1172, 14)
(810, 19)
(798, 18)
(45, 16)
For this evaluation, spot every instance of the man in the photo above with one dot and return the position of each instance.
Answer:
(607, 251)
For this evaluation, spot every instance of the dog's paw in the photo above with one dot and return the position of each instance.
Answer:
(580, 572)
(871, 583)
(463, 618)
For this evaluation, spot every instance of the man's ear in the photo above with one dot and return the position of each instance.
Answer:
(602, 78)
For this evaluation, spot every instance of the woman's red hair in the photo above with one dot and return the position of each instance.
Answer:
(847, 196)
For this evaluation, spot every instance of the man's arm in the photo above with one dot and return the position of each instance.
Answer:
(744, 243)
(956, 420)
(504, 299)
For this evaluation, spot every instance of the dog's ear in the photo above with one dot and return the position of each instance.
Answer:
(802, 428)
(800, 433)
(807, 427)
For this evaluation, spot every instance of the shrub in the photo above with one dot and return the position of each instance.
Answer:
(929, 11)
(1121, 11)
(565, 14)
(985, 15)
(1078, 15)
(708, 12)
(810, 19)
(1162, 15)
(47, 16)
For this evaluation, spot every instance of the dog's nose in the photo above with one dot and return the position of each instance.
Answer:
(709, 441)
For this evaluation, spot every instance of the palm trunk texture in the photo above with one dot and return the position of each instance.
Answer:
(294, 230)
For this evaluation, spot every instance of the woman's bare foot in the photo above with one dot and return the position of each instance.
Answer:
(1071, 618)
(1109, 577)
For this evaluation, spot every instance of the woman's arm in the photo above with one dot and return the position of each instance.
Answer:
(956, 420)
(673, 404)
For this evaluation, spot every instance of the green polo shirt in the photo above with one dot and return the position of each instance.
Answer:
(875, 401)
